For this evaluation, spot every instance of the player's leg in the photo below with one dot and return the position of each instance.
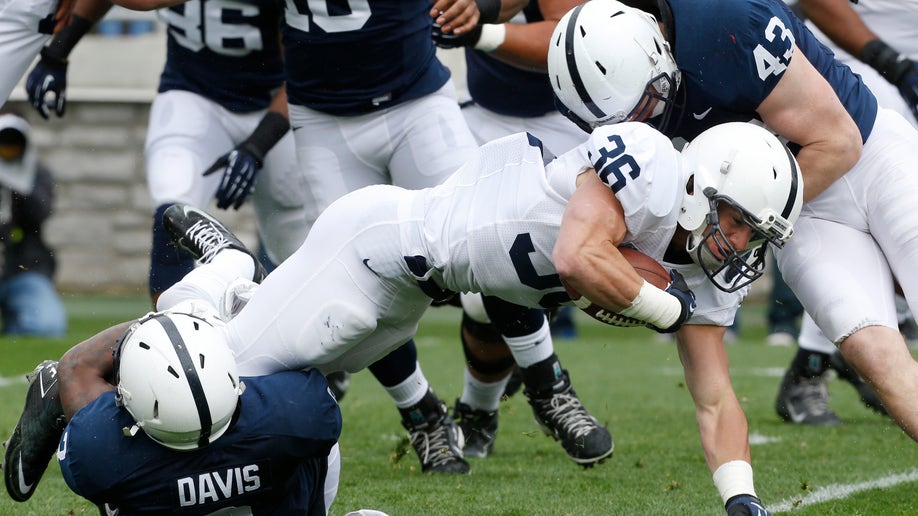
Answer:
(855, 309)
(548, 388)
(435, 437)
(184, 137)
(889, 184)
(488, 364)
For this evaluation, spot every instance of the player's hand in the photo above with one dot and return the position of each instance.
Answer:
(240, 167)
(453, 40)
(678, 289)
(48, 77)
(896, 68)
(455, 16)
(746, 505)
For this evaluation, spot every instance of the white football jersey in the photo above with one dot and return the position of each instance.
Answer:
(492, 226)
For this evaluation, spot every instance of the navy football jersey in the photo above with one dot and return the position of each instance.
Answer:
(273, 458)
(732, 54)
(354, 57)
(506, 89)
(225, 50)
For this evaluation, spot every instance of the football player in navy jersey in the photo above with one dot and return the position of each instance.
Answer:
(152, 418)
(219, 117)
(370, 103)
(755, 60)
(510, 93)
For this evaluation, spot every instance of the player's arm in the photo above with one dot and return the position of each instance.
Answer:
(586, 253)
(86, 370)
(842, 24)
(594, 271)
(721, 422)
(839, 22)
(804, 108)
(524, 45)
(241, 165)
(46, 84)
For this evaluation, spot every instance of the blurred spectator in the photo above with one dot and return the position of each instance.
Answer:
(29, 303)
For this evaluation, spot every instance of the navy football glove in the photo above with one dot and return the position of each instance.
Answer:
(898, 69)
(48, 77)
(745, 505)
(678, 288)
(240, 166)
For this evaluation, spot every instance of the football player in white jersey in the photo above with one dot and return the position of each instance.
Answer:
(509, 226)
(25, 26)
(391, 117)
(887, 67)
(759, 61)
(510, 93)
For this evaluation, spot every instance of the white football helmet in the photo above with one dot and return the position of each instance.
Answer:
(607, 61)
(746, 166)
(177, 378)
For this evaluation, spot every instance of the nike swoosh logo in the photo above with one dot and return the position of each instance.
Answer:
(699, 116)
(367, 265)
(62, 448)
(24, 488)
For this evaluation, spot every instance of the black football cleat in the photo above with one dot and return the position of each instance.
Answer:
(36, 435)
(805, 401)
(560, 414)
(435, 436)
(479, 427)
(203, 236)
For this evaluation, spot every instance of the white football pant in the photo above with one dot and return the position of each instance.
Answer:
(416, 144)
(851, 239)
(20, 41)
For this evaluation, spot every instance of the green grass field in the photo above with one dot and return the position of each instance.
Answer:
(626, 377)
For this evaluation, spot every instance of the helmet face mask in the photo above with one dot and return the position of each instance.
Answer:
(740, 267)
(177, 378)
(738, 174)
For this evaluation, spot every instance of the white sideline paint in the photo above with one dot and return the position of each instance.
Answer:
(840, 491)
(6, 381)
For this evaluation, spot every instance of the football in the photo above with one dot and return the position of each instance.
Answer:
(647, 268)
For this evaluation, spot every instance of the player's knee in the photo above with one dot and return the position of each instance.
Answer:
(473, 306)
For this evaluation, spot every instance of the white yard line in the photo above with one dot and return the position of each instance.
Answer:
(12, 380)
(840, 491)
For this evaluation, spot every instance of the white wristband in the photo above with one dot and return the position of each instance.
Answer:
(492, 37)
(654, 306)
(734, 478)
